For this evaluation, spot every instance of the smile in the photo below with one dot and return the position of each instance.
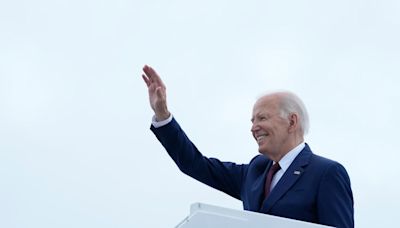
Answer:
(259, 138)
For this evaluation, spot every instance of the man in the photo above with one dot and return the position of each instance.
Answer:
(285, 180)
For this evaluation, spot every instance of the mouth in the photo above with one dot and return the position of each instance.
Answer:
(261, 137)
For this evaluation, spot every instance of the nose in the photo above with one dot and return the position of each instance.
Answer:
(254, 127)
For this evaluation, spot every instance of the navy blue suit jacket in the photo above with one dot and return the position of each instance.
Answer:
(313, 188)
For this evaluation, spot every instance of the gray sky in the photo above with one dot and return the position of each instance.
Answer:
(75, 144)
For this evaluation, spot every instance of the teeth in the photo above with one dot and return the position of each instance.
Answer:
(261, 137)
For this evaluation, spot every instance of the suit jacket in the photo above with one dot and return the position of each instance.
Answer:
(313, 188)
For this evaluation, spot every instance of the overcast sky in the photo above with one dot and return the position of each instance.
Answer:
(75, 144)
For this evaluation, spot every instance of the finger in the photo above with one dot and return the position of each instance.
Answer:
(146, 80)
(149, 74)
(152, 74)
(147, 71)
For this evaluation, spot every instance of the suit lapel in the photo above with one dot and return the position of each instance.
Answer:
(289, 178)
(257, 189)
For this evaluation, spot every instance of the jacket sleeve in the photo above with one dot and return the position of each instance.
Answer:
(335, 198)
(224, 176)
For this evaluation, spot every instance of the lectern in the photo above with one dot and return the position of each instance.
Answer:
(209, 216)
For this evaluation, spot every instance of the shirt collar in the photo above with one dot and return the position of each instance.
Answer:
(286, 160)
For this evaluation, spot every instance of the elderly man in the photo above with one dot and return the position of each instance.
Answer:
(285, 180)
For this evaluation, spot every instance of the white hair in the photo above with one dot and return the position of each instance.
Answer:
(291, 103)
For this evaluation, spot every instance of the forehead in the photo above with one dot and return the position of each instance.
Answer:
(267, 104)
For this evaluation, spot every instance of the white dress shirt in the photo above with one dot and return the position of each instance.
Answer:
(158, 124)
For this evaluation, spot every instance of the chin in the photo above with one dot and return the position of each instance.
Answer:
(262, 151)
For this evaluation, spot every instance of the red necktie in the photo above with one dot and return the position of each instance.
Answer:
(275, 167)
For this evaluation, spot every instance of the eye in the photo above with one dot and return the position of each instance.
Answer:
(259, 118)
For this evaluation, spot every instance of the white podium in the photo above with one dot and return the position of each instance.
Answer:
(208, 216)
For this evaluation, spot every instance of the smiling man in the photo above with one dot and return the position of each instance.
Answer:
(279, 122)
(287, 179)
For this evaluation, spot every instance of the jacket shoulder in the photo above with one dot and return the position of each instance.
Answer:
(258, 163)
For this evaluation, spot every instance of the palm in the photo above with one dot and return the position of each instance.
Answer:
(157, 92)
(155, 100)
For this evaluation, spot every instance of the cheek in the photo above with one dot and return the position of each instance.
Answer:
(267, 125)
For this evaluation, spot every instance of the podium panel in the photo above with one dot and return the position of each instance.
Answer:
(205, 215)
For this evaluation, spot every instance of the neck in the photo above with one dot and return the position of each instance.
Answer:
(286, 149)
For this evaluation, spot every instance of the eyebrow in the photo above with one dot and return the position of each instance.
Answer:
(260, 114)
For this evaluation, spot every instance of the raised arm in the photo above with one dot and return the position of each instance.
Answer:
(157, 93)
(224, 176)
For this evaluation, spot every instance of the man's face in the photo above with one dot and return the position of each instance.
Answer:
(270, 129)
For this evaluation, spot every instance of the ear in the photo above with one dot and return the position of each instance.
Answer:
(293, 122)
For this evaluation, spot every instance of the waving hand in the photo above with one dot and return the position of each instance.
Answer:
(157, 93)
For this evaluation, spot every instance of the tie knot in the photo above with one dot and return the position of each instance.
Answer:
(275, 167)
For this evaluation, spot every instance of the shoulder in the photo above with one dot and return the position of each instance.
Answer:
(322, 166)
(317, 160)
(259, 160)
(328, 169)
(258, 163)
(334, 194)
(324, 162)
